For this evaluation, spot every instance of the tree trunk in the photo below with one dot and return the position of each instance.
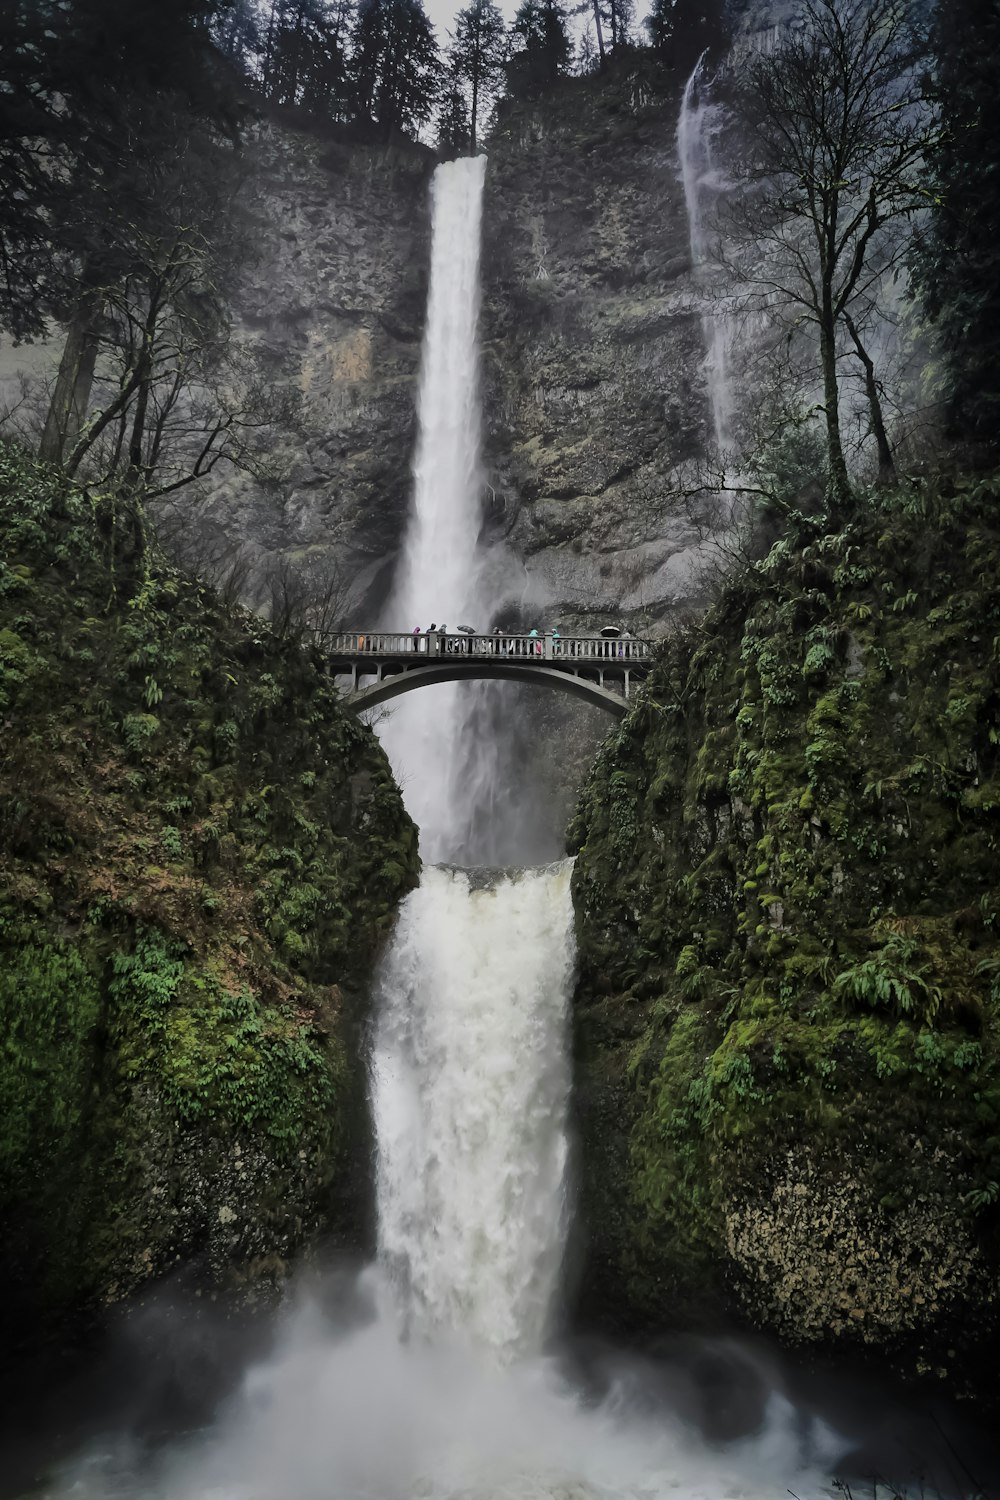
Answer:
(600, 32)
(71, 396)
(136, 474)
(841, 495)
(886, 462)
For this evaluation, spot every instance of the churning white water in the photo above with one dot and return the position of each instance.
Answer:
(697, 129)
(470, 1086)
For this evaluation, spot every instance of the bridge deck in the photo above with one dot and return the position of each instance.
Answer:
(355, 648)
(399, 662)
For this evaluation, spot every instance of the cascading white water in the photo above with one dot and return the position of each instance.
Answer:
(438, 580)
(438, 576)
(469, 1073)
(470, 1091)
(697, 128)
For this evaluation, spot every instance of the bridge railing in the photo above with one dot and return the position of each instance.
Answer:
(550, 646)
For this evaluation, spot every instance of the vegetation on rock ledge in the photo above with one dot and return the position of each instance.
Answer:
(788, 1024)
(199, 856)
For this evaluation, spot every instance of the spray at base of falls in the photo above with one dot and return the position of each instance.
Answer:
(697, 128)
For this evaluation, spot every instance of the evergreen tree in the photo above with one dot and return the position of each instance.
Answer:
(394, 64)
(542, 49)
(959, 264)
(80, 85)
(620, 15)
(476, 58)
(454, 135)
(681, 30)
(236, 33)
(305, 59)
(588, 58)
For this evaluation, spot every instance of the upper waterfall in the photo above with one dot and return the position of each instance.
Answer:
(439, 568)
(438, 575)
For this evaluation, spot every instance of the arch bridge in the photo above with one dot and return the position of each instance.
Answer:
(601, 670)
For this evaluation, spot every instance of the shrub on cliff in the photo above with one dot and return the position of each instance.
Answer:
(199, 856)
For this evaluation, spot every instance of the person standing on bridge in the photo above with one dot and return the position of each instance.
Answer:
(416, 637)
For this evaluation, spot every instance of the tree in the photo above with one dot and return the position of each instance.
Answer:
(91, 94)
(542, 50)
(589, 57)
(620, 15)
(304, 60)
(173, 397)
(454, 135)
(326, 79)
(832, 164)
(476, 58)
(681, 30)
(394, 64)
(958, 266)
(71, 72)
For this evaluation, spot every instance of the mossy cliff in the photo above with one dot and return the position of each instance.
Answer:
(788, 895)
(199, 857)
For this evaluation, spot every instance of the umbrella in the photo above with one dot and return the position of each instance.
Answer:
(467, 629)
(611, 630)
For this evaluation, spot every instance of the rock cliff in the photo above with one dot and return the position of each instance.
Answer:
(593, 394)
(788, 1019)
(199, 858)
(332, 301)
(594, 390)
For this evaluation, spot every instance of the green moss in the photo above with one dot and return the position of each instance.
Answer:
(824, 804)
(218, 1057)
(51, 1010)
(200, 856)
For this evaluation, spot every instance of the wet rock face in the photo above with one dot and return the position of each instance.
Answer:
(593, 387)
(594, 397)
(333, 303)
(819, 1257)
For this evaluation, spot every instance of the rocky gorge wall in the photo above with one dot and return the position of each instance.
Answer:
(200, 856)
(788, 1019)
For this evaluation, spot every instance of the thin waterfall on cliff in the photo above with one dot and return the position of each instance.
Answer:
(697, 129)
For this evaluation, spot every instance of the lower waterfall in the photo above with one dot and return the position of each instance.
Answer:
(470, 1089)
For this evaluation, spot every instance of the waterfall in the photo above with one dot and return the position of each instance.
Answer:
(438, 580)
(697, 129)
(469, 1073)
(438, 574)
(470, 1092)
